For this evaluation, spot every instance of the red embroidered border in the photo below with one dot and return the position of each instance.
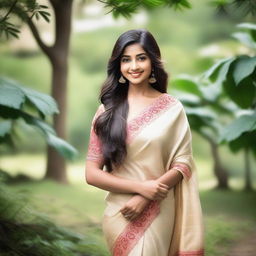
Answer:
(149, 114)
(183, 168)
(134, 126)
(135, 229)
(192, 253)
(94, 148)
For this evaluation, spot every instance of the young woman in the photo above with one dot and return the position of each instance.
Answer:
(140, 151)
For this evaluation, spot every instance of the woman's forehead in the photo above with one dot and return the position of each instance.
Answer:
(133, 49)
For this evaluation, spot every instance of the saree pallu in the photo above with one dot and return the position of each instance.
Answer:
(158, 140)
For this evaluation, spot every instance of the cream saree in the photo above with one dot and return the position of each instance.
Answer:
(158, 140)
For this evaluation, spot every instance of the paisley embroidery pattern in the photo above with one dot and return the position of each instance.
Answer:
(160, 105)
(149, 114)
(94, 146)
(135, 229)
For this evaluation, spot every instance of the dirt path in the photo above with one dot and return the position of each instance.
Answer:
(244, 247)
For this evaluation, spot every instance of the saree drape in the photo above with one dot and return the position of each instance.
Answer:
(158, 140)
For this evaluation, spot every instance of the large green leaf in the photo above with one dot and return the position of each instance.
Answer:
(211, 92)
(211, 73)
(244, 66)
(250, 26)
(245, 38)
(243, 95)
(186, 83)
(64, 148)
(5, 128)
(44, 103)
(200, 117)
(246, 140)
(187, 99)
(14, 95)
(194, 86)
(10, 96)
(223, 71)
(245, 123)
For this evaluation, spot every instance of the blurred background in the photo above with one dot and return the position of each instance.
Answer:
(211, 65)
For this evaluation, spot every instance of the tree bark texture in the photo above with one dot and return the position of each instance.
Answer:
(56, 165)
(248, 183)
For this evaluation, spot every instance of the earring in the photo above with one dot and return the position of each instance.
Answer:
(152, 79)
(122, 80)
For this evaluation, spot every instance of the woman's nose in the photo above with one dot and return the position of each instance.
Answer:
(134, 65)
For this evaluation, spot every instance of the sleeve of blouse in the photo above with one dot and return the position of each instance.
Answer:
(183, 158)
(94, 152)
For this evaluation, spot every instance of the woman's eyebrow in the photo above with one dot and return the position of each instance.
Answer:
(136, 55)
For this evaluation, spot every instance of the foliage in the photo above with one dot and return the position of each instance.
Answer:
(204, 105)
(127, 8)
(26, 232)
(19, 102)
(238, 77)
(24, 9)
(241, 133)
(225, 222)
(228, 7)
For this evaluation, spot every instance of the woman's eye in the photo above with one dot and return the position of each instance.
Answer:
(125, 60)
(141, 58)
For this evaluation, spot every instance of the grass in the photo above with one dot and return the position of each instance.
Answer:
(228, 215)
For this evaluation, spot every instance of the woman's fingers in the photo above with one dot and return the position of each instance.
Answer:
(162, 185)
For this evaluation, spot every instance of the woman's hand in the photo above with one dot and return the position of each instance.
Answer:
(154, 190)
(134, 207)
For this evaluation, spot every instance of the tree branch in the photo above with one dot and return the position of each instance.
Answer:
(10, 10)
(46, 49)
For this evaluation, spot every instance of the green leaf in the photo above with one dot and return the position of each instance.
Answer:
(203, 113)
(14, 95)
(243, 95)
(45, 15)
(44, 103)
(65, 149)
(223, 71)
(246, 140)
(187, 99)
(10, 95)
(37, 16)
(43, 126)
(187, 84)
(247, 26)
(211, 72)
(5, 128)
(152, 3)
(211, 92)
(244, 66)
(245, 123)
(245, 38)
(43, 6)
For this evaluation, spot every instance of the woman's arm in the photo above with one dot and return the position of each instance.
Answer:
(171, 178)
(151, 189)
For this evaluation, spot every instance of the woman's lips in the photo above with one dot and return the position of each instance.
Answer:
(135, 74)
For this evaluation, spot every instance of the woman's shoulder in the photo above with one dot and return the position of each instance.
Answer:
(173, 99)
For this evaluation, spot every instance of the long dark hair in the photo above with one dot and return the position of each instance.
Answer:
(110, 126)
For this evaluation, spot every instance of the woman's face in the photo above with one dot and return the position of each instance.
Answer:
(135, 64)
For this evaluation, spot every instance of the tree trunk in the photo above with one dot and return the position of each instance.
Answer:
(248, 184)
(219, 171)
(56, 166)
